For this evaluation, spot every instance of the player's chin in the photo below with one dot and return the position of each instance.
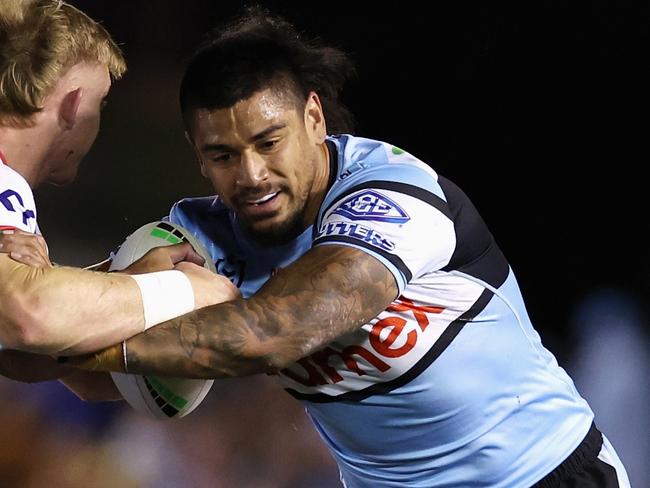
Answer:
(272, 232)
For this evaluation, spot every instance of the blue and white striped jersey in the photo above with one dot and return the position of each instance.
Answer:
(450, 386)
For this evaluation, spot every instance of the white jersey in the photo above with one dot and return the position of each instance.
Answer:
(17, 207)
(450, 386)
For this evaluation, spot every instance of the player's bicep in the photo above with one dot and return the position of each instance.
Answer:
(332, 289)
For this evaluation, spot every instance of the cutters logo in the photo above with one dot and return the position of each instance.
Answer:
(372, 205)
(357, 231)
(389, 339)
(5, 200)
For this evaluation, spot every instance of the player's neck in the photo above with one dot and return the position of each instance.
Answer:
(25, 151)
(320, 186)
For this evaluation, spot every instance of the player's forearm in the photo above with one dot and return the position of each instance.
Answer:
(66, 310)
(30, 368)
(287, 320)
(92, 387)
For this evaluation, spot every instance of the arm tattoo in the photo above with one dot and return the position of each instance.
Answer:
(329, 291)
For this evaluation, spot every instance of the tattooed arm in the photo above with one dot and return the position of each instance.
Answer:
(329, 291)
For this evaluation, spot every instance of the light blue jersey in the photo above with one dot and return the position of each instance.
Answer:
(450, 386)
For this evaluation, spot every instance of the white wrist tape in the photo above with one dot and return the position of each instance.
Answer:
(165, 295)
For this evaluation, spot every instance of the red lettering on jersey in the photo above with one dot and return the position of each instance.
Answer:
(419, 311)
(383, 346)
(365, 354)
(322, 359)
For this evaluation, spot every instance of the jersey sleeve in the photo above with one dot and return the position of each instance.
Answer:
(185, 214)
(398, 215)
(176, 215)
(17, 209)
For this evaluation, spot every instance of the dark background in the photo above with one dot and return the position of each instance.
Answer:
(538, 111)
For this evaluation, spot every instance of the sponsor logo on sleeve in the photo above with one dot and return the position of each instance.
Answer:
(6, 200)
(372, 205)
(356, 231)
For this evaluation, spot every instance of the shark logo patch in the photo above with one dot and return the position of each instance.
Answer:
(372, 205)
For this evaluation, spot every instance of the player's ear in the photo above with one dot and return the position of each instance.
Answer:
(188, 138)
(314, 118)
(69, 108)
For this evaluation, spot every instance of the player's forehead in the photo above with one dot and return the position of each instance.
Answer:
(264, 109)
(92, 76)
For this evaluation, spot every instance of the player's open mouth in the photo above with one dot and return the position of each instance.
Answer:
(262, 200)
(263, 207)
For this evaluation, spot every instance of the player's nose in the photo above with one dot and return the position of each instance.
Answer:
(252, 169)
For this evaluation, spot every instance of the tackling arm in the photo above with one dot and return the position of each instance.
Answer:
(61, 309)
(329, 291)
(31, 368)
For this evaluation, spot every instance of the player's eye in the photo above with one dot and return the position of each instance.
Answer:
(221, 158)
(270, 144)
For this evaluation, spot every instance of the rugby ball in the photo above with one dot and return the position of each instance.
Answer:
(160, 397)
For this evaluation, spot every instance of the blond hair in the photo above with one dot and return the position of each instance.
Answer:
(40, 40)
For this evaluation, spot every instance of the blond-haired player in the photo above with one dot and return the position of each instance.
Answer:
(56, 67)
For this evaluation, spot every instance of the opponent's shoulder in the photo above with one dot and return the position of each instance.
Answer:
(10, 179)
(17, 207)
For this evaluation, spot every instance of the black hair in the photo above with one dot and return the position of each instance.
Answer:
(259, 50)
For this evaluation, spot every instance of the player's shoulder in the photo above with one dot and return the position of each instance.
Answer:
(203, 216)
(362, 162)
(12, 180)
(197, 208)
(17, 207)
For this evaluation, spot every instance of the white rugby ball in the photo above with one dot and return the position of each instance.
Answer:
(160, 397)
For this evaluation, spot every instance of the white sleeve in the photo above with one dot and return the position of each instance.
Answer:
(410, 232)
